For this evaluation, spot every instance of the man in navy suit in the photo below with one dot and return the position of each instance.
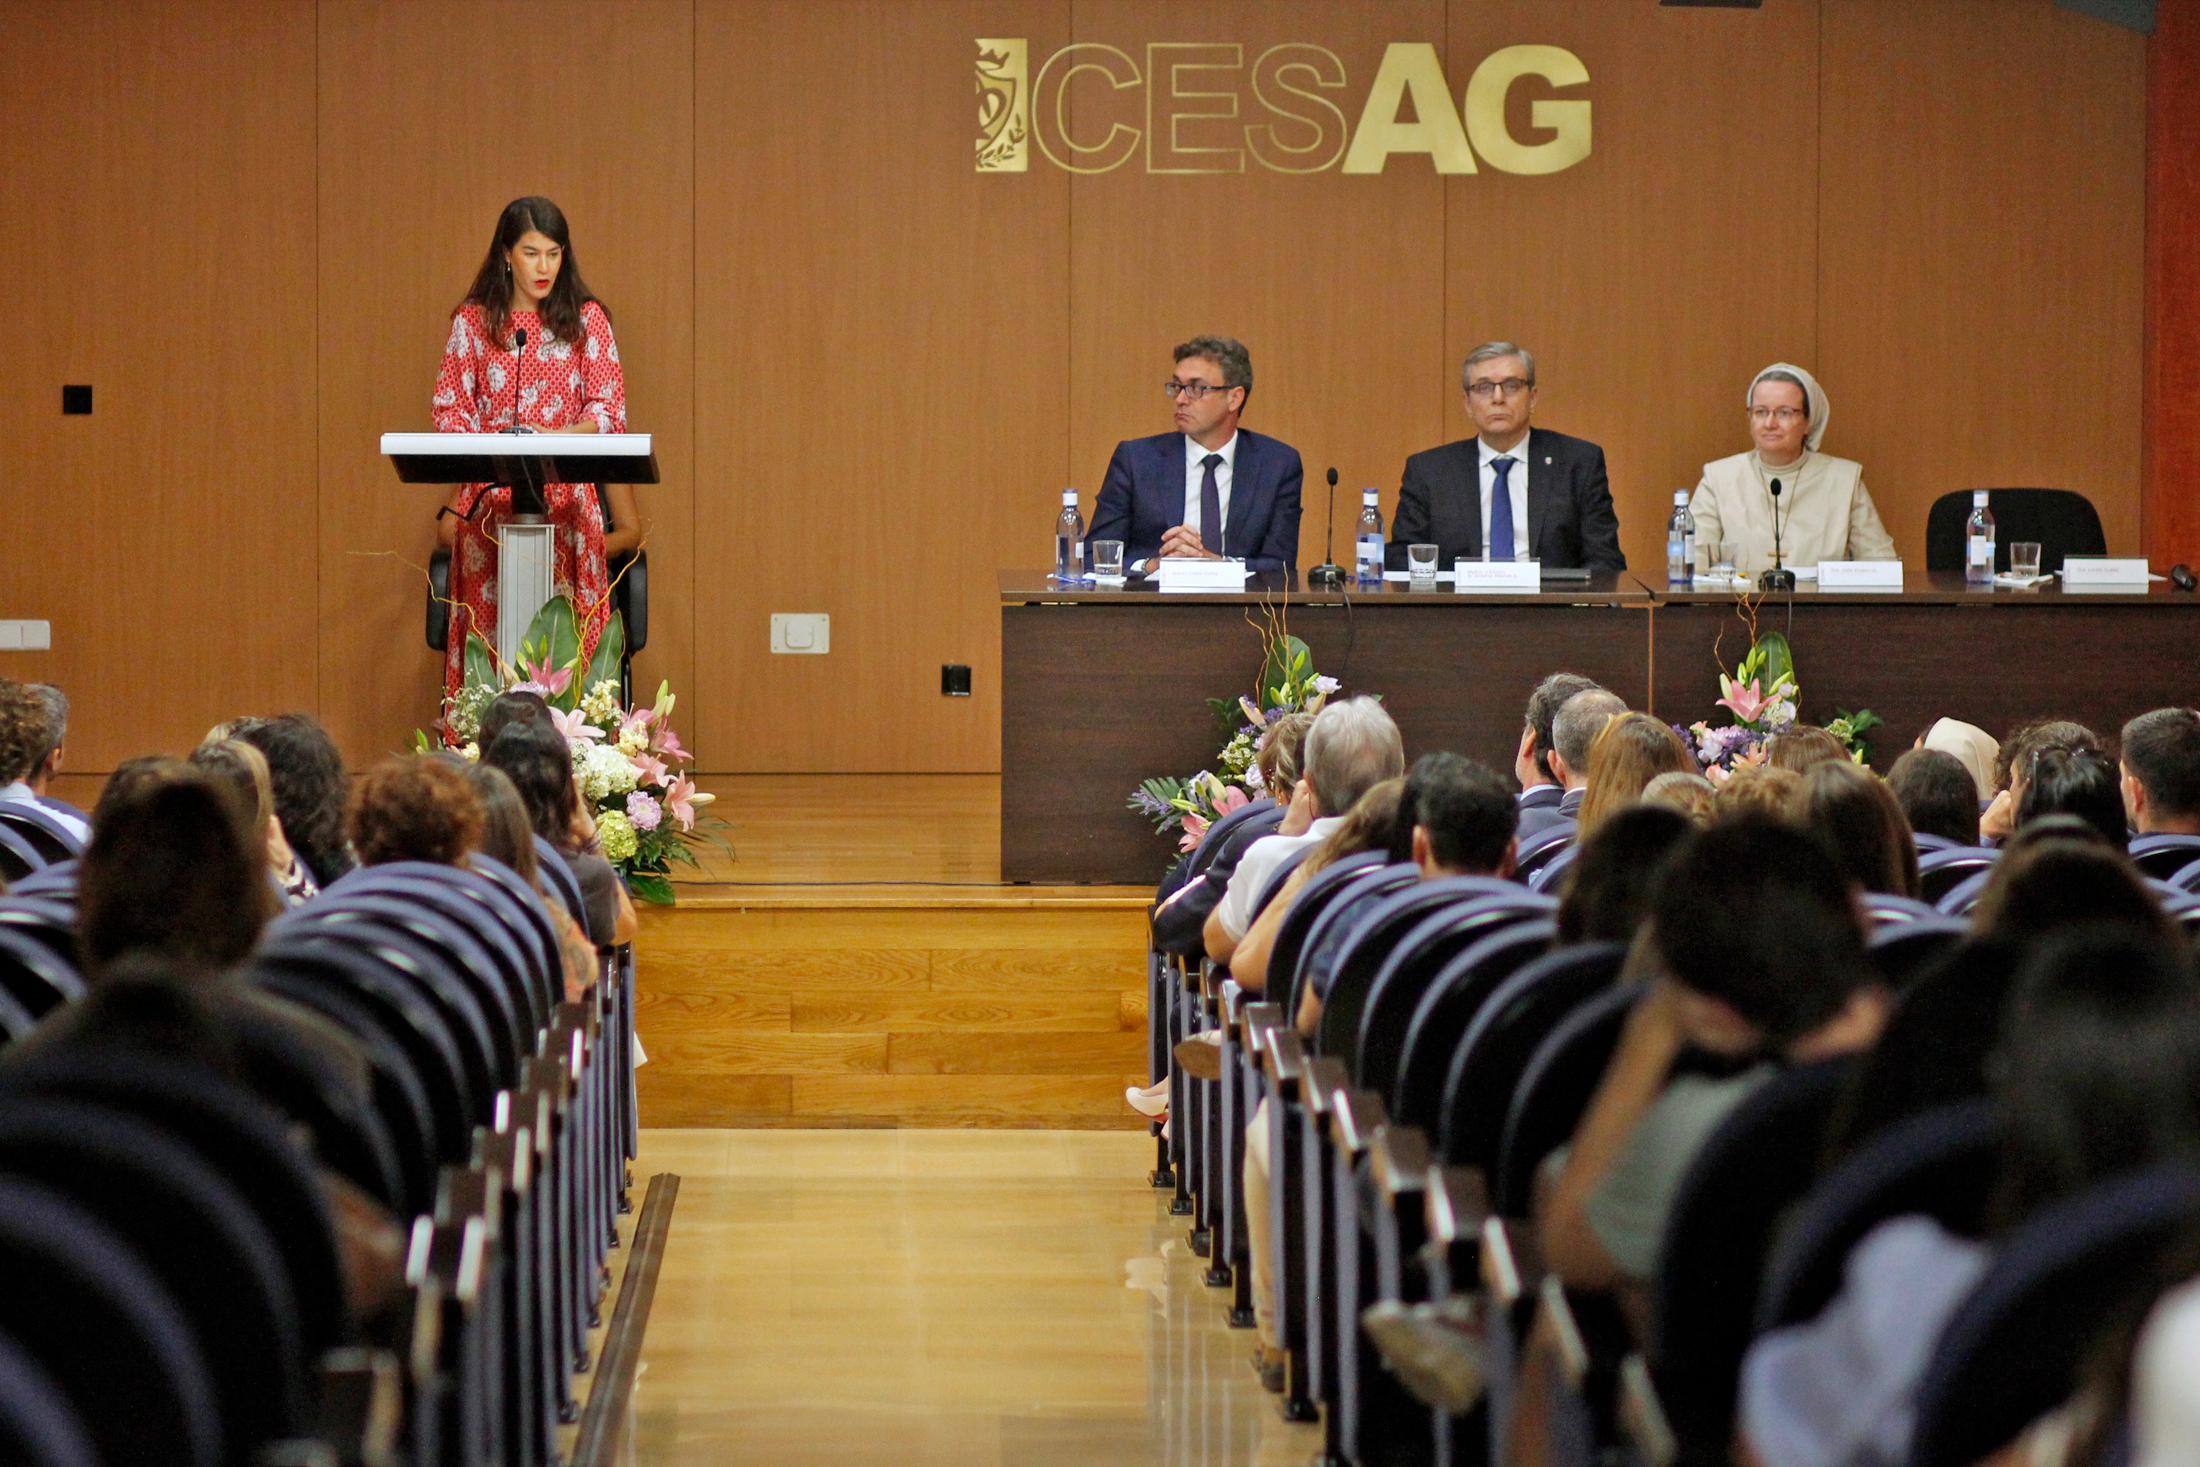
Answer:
(1527, 493)
(1210, 489)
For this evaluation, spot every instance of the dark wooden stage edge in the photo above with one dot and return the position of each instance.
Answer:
(1101, 689)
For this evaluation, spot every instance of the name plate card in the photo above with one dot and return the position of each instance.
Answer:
(1497, 575)
(1190, 573)
(2104, 572)
(1859, 575)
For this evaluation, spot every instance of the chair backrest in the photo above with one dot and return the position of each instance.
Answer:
(283, 1061)
(1405, 977)
(1504, 935)
(2062, 521)
(1958, 900)
(1941, 1164)
(499, 902)
(1926, 842)
(1938, 872)
(34, 973)
(1247, 822)
(1885, 908)
(1544, 846)
(1481, 1078)
(19, 857)
(488, 1062)
(1550, 1034)
(1718, 1237)
(1372, 941)
(1547, 874)
(2184, 878)
(57, 882)
(2163, 856)
(39, 1427)
(1318, 950)
(1900, 953)
(2015, 1349)
(54, 837)
(1322, 889)
(558, 878)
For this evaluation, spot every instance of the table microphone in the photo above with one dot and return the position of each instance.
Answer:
(1329, 576)
(2181, 576)
(519, 352)
(1779, 578)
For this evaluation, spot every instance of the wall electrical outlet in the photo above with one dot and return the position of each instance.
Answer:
(26, 636)
(802, 633)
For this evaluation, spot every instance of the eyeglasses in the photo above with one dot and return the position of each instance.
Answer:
(1784, 416)
(1511, 387)
(1173, 389)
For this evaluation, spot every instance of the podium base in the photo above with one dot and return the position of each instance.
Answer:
(527, 555)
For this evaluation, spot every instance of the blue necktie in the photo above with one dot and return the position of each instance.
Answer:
(1210, 505)
(1501, 512)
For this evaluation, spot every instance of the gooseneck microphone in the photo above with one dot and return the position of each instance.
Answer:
(1779, 578)
(1328, 576)
(519, 354)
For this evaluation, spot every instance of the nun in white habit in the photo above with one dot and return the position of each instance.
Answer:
(1825, 511)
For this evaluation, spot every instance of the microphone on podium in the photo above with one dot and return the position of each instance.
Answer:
(1779, 578)
(519, 353)
(1328, 576)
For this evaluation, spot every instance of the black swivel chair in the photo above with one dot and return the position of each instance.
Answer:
(2062, 522)
(629, 598)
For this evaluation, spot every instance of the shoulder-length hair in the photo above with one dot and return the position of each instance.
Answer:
(492, 287)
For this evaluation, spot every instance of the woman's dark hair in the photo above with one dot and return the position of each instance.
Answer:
(2056, 882)
(2080, 782)
(536, 758)
(410, 808)
(1937, 795)
(174, 869)
(2012, 761)
(507, 834)
(506, 709)
(1608, 886)
(1863, 828)
(311, 789)
(492, 287)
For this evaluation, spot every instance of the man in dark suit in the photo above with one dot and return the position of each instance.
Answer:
(1209, 489)
(1527, 493)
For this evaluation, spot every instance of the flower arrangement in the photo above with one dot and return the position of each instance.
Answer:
(1764, 698)
(1287, 684)
(626, 761)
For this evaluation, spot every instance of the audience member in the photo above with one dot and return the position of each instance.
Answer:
(536, 758)
(1352, 747)
(34, 722)
(1607, 888)
(245, 770)
(1370, 825)
(311, 786)
(1630, 751)
(506, 709)
(1757, 789)
(1683, 790)
(1573, 729)
(1937, 795)
(2160, 766)
(1540, 785)
(1801, 746)
(1179, 921)
(1853, 812)
(2061, 876)
(2013, 768)
(1972, 747)
(174, 869)
(2098, 1074)
(1452, 820)
(2080, 782)
(413, 808)
(508, 836)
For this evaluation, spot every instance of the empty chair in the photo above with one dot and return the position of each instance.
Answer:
(460, 947)
(2163, 856)
(1508, 939)
(1901, 953)
(39, 1426)
(1940, 871)
(2062, 522)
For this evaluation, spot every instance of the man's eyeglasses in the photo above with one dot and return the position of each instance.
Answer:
(1511, 387)
(1784, 416)
(1173, 389)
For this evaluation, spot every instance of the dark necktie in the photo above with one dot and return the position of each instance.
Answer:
(1210, 505)
(1501, 511)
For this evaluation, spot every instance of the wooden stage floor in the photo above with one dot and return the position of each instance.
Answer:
(857, 961)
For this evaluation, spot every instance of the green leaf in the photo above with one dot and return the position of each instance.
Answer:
(1286, 654)
(1777, 658)
(610, 648)
(481, 662)
(652, 889)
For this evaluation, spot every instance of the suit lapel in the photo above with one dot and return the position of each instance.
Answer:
(1542, 485)
(1244, 475)
(1471, 504)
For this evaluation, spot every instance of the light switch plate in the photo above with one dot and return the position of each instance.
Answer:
(26, 636)
(802, 633)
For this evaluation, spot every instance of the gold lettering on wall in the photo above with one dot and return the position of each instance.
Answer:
(1410, 71)
(1171, 68)
(1274, 71)
(1052, 93)
(1004, 105)
(1568, 120)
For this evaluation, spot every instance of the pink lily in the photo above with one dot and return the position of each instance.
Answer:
(1743, 699)
(1230, 799)
(649, 770)
(636, 722)
(539, 678)
(578, 731)
(1195, 830)
(682, 799)
(667, 745)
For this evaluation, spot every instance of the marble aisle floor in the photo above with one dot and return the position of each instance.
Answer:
(976, 1298)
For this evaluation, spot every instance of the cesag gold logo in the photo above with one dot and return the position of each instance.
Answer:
(1125, 110)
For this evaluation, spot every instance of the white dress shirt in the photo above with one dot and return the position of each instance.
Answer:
(1256, 867)
(1195, 473)
(21, 790)
(1516, 480)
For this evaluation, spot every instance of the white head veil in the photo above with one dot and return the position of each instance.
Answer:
(1818, 408)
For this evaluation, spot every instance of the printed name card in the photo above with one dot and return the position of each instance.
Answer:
(1859, 575)
(1190, 573)
(1497, 575)
(2122, 572)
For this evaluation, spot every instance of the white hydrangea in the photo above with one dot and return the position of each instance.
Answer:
(603, 773)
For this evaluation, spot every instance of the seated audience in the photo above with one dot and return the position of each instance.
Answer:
(1937, 795)
(1370, 825)
(1540, 786)
(2013, 762)
(307, 774)
(173, 869)
(1685, 791)
(411, 808)
(245, 769)
(2098, 1075)
(1352, 747)
(2160, 766)
(1573, 729)
(1631, 750)
(1757, 789)
(1179, 920)
(1852, 811)
(1972, 747)
(2080, 782)
(508, 836)
(34, 722)
(1799, 746)
(536, 758)
(1607, 888)
(2058, 873)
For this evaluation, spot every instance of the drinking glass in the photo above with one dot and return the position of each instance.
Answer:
(1421, 564)
(2024, 559)
(1107, 560)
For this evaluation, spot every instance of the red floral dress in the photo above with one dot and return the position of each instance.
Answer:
(556, 385)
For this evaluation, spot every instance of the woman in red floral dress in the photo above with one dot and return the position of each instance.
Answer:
(564, 379)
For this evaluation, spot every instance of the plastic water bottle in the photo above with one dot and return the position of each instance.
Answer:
(1370, 533)
(1978, 542)
(1069, 544)
(1680, 542)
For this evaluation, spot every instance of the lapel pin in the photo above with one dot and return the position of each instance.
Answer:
(1546, 458)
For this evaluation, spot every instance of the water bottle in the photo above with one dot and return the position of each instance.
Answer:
(1680, 542)
(1978, 542)
(1069, 544)
(1371, 539)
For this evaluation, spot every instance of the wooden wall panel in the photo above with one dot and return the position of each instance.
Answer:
(1981, 226)
(158, 235)
(1334, 283)
(880, 381)
(1655, 278)
(2171, 410)
(426, 131)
